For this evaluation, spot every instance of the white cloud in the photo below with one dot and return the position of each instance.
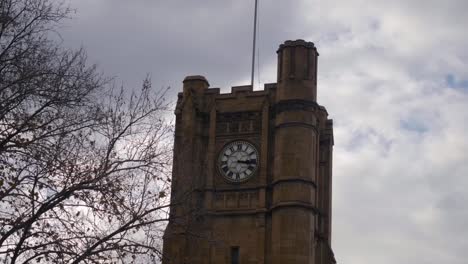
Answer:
(400, 154)
(400, 162)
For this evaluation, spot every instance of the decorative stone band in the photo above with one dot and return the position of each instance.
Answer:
(278, 206)
(297, 105)
(258, 187)
(297, 204)
(294, 180)
(296, 124)
(237, 212)
(230, 189)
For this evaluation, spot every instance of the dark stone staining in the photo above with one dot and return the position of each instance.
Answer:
(239, 122)
(292, 63)
(295, 105)
(308, 70)
(280, 66)
(315, 70)
(222, 127)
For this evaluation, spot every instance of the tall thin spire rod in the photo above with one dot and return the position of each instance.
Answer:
(254, 44)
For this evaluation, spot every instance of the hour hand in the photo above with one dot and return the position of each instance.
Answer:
(244, 161)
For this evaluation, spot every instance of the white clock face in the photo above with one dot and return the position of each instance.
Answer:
(238, 161)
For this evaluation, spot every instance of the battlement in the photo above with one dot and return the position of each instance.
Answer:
(200, 84)
(246, 90)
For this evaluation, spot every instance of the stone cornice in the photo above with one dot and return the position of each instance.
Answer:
(296, 43)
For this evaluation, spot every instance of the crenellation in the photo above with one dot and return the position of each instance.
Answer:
(199, 83)
(247, 91)
(241, 88)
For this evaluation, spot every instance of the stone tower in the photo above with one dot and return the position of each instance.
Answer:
(253, 170)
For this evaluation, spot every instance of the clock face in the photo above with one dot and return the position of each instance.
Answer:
(238, 161)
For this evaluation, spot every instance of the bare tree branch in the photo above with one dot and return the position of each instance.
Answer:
(84, 166)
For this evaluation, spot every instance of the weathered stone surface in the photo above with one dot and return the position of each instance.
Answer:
(283, 213)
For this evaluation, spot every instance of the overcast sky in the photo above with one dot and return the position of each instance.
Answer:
(392, 74)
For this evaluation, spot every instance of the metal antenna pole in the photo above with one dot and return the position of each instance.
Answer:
(254, 42)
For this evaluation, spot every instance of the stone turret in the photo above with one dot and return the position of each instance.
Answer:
(196, 84)
(297, 71)
(294, 208)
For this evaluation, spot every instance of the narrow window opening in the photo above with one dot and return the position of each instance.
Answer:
(234, 255)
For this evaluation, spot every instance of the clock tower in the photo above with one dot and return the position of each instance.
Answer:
(252, 170)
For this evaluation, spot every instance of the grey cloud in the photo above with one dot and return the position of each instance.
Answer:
(399, 194)
(172, 39)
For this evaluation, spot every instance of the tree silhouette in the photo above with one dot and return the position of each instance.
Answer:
(83, 165)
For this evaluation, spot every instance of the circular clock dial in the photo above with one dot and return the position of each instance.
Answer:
(238, 161)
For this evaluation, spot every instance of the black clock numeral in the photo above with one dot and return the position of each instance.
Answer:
(232, 149)
(251, 168)
(239, 146)
(225, 169)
